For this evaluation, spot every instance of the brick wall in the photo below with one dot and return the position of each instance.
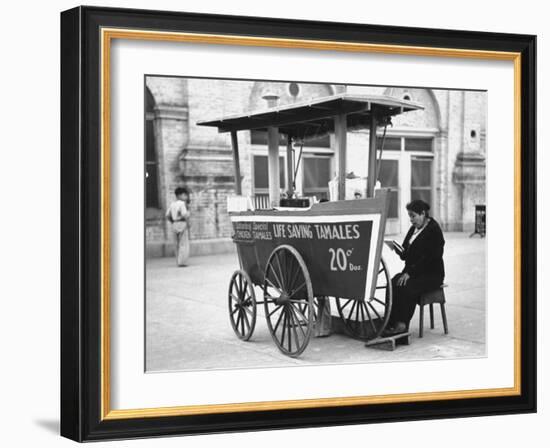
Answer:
(201, 158)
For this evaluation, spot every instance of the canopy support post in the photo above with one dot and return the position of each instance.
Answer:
(371, 179)
(340, 133)
(236, 163)
(289, 167)
(273, 166)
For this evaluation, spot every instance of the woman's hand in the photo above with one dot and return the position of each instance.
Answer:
(402, 281)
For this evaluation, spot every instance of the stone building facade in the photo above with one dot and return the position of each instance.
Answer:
(437, 154)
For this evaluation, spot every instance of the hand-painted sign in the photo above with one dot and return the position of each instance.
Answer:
(338, 250)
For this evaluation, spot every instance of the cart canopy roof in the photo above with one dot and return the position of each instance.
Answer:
(315, 117)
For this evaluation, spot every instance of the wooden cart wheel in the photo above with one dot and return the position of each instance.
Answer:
(288, 300)
(366, 319)
(242, 305)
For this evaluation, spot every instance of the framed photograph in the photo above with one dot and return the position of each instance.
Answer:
(277, 224)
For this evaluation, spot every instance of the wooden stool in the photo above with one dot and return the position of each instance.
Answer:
(429, 298)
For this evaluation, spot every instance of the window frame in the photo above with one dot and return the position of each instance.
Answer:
(150, 118)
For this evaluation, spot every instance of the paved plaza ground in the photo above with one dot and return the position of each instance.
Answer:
(188, 328)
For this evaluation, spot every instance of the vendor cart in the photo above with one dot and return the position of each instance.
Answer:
(300, 256)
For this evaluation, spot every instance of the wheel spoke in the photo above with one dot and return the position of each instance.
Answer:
(352, 309)
(295, 290)
(277, 279)
(289, 332)
(276, 288)
(379, 301)
(374, 310)
(237, 323)
(278, 322)
(284, 327)
(370, 320)
(295, 276)
(346, 304)
(353, 322)
(235, 298)
(277, 308)
(283, 283)
(302, 306)
(295, 312)
(360, 322)
(296, 323)
(234, 310)
(301, 313)
(246, 321)
(240, 285)
(288, 271)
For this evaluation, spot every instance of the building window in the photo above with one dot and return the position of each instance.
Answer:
(389, 178)
(419, 144)
(421, 179)
(261, 180)
(423, 144)
(390, 143)
(316, 176)
(152, 197)
(261, 173)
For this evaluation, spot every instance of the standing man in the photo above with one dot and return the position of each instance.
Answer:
(178, 215)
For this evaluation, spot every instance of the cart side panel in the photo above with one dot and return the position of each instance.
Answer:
(336, 250)
(338, 244)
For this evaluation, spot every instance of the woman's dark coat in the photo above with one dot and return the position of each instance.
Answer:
(424, 256)
(424, 264)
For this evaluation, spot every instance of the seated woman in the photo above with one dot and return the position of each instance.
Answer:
(423, 271)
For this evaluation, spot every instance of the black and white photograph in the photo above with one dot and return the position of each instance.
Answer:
(297, 224)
